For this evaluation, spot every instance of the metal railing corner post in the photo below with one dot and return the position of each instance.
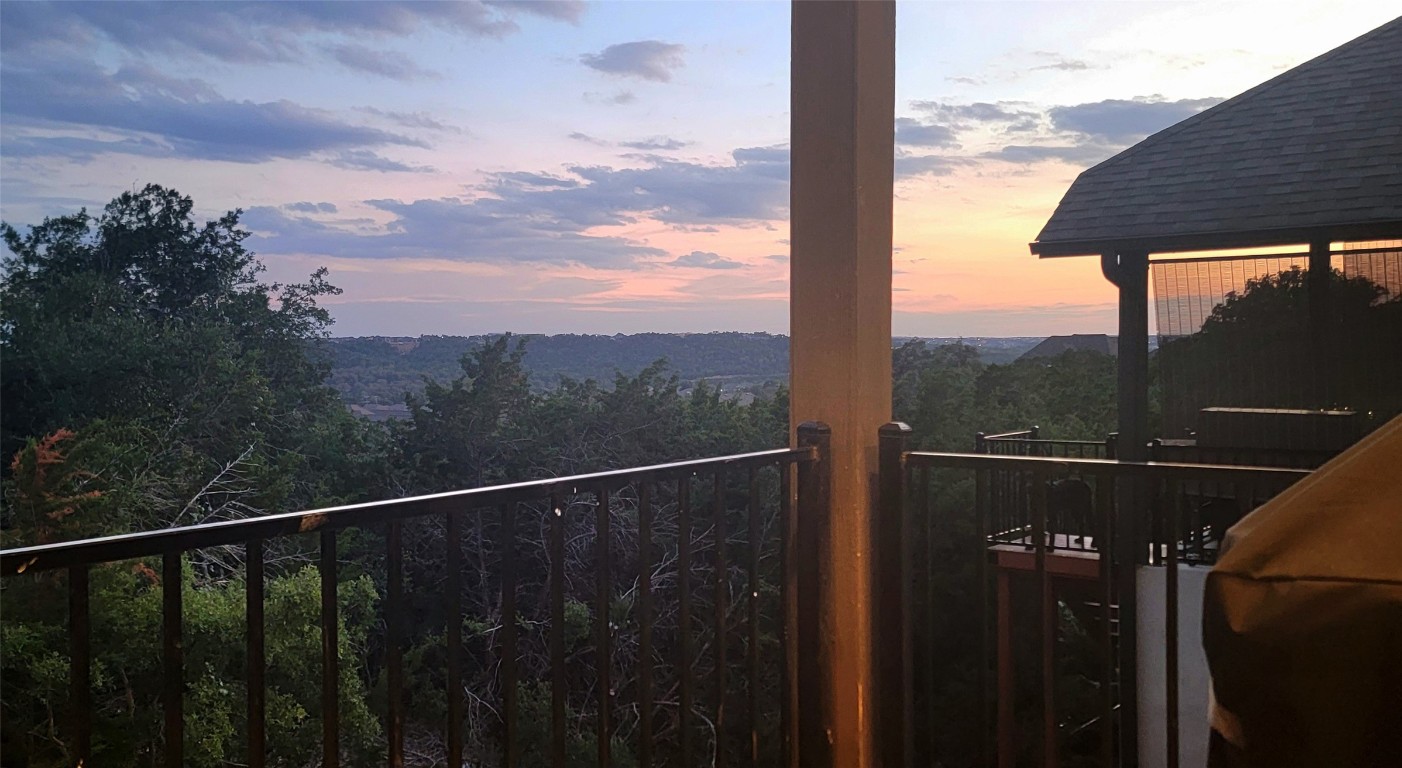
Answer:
(892, 565)
(813, 691)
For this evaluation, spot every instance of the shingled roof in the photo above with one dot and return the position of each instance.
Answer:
(1313, 154)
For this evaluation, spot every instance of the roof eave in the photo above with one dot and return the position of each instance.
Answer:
(1206, 241)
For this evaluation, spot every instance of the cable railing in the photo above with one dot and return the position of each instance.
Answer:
(706, 534)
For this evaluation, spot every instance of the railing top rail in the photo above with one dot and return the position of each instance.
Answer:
(224, 532)
(1019, 434)
(1041, 440)
(1151, 469)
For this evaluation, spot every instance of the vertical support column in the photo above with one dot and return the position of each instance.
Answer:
(1130, 273)
(1318, 281)
(842, 110)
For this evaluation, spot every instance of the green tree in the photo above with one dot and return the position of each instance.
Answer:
(150, 379)
(1264, 348)
(151, 337)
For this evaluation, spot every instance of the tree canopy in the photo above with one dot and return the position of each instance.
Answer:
(1266, 348)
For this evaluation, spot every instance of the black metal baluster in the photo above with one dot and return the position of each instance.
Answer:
(330, 656)
(511, 749)
(394, 636)
(1048, 615)
(603, 652)
(985, 702)
(174, 657)
(557, 631)
(645, 702)
(684, 613)
(788, 617)
(722, 594)
(1104, 510)
(1171, 515)
(80, 663)
(452, 631)
(752, 649)
(931, 620)
(257, 660)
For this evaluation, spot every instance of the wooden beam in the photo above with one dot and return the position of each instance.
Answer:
(842, 111)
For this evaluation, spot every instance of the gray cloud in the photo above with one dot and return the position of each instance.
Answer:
(754, 189)
(646, 59)
(963, 116)
(250, 32)
(390, 64)
(526, 179)
(306, 207)
(706, 260)
(538, 217)
(1125, 121)
(366, 160)
(1078, 134)
(1085, 154)
(615, 99)
(911, 166)
(587, 139)
(656, 143)
(79, 149)
(1058, 62)
(184, 118)
(450, 228)
(412, 119)
(914, 133)
(562, 10)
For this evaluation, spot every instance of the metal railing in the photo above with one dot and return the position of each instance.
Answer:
(1029, 442)
(1009, 496)
(1135, 514)
(734, 492)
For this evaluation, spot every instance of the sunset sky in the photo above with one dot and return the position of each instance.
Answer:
(551, 167)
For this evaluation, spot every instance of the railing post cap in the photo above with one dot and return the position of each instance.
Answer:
(817, 427)
(895, 429)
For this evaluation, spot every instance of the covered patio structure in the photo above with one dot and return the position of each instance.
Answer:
(1304, 169)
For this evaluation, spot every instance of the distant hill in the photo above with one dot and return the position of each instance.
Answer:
(1087, 342)
(378, 370)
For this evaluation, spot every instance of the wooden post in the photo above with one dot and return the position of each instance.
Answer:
(842, 147)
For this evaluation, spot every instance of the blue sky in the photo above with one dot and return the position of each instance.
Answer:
(610, 167)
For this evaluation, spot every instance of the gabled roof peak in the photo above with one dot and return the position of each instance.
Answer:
(1313, 153)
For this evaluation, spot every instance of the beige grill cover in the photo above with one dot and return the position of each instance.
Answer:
(1302, 620)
